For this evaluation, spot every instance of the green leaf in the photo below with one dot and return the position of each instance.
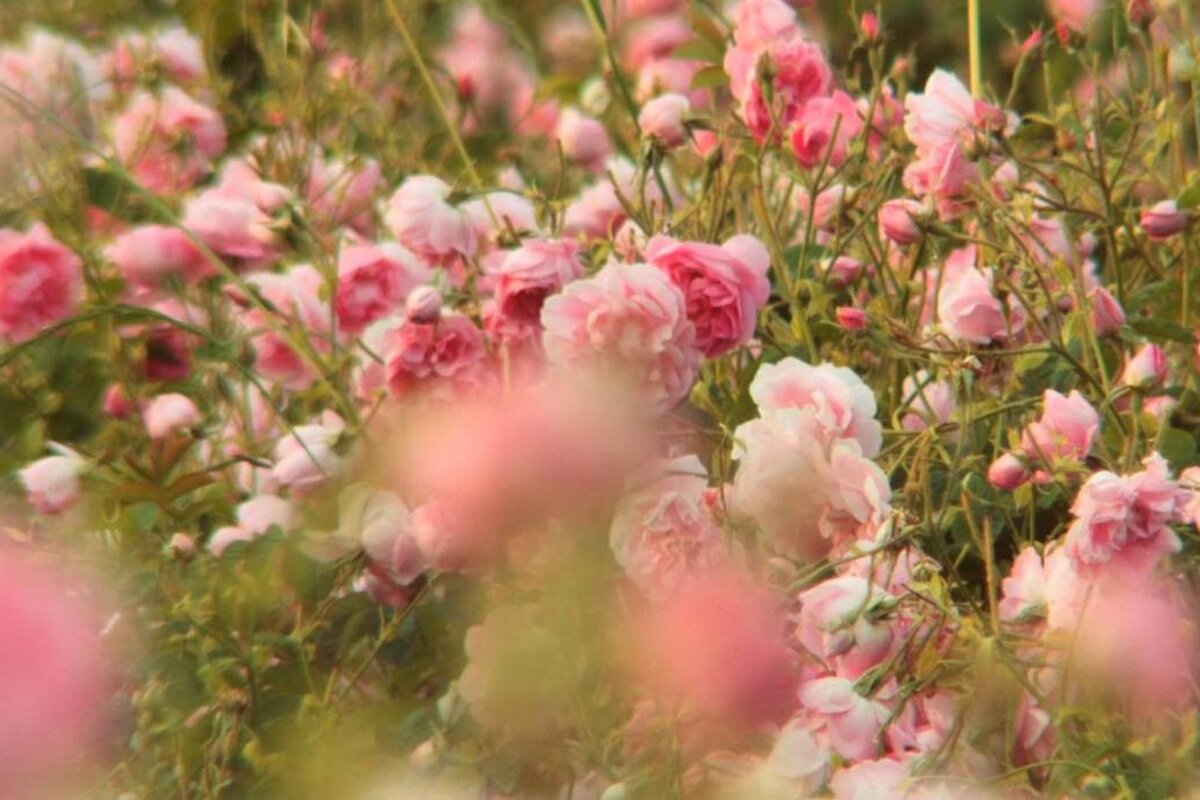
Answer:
(1158, 329)
(1178, 447)
(710, 77)
(699, 50)
(1189, 197)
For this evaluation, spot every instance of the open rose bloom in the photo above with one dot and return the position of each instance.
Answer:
(625, 399)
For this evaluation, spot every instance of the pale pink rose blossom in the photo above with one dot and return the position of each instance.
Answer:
(168, 142)
(654, 38)
(942, 175)
(498, 215)
(870, 780)
(1163, 220)
(842, 404)
(836, 621)
(234, 218)
(898, 221)
(373, 281)
(52, 483)
(630, 319)
(148, 255)
(662, 534)
(1123, 523)
(423, 305)
(760, 22)
(451, 541)
(295, 297)
(382, 526)
(724, 286)
(671, 76)
(967, 307)
(1023, 592)
(1147, 368)
(305, 456)
(805, 494)
(929, 401)
(946, 114)
(168, 413)
(851, 722)
(662, 119)
(1066, 429)
(420, 216)
(41, 282)
(583, 139)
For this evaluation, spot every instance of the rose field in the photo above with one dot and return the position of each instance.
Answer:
(599, 400)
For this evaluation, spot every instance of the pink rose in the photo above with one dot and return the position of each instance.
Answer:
(760, 22)
(1122, 523)
(827, 208)
(150, 254)
(451, 541)
(1024, 590)
(381, 524)
(825, 129)
(842, 404)
(234, 219)
(295, 296)
(52, 483)
(1163, 220)
(168, 413)
(424, 222)
(671, 76)
(946, 114)
(499, 215)
(305, 456)
(852, 722)
(1147, 368)
(800, 73)
(525, 277)
(662, 119)
(628, 318)
(443, 359)
(423, 305)
(168, 142)
(373, 281)
(871, 780)
(724, 286)
(843, 271)
(662, 535)
(718, 645)
(806, 494)
(41, 282)
(837, 619)
(942, 175)
(966, 306)
(898, 221)
(1066, 430)
(584, 139)
(929, 401)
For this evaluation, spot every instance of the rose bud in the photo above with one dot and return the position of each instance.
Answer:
(851, 319)
(1007, 472)
(898, 221)
(1141, 12)
(869, 23)
(1107, 315)
(843, 271)
(1147, 368)
(423, 305)
(662, 119)
(1163, 220)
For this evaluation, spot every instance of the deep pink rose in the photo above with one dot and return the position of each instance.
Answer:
(443, 359)
(725, 286)
(825, 129)
(373, 281)
(41, 282)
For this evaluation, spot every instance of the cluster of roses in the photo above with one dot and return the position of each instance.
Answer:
(526, 379)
